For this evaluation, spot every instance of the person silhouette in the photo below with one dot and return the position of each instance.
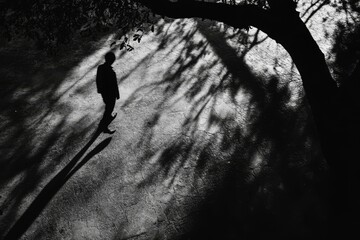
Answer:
(106, 84)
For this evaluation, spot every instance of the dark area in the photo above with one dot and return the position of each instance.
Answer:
(287, 199)
(346, 69)
(326, 99)
(34, 140)
(49, 191)
(55, 24)
(286, 196)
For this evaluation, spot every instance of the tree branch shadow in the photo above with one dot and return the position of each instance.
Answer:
(250, 161)
(50, 190)
(37, 128)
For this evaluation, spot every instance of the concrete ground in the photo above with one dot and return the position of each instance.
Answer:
(212, 140)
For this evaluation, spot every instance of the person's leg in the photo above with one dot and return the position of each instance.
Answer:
(109, 107)
(107, 117)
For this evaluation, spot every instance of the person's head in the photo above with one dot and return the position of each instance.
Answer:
(110, 58)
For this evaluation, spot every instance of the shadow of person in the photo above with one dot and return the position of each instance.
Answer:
(106, 84)
(52, 187)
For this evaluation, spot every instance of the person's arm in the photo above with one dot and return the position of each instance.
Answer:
(99, 80)
(116, 87)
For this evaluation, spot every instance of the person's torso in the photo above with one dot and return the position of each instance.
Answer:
(108, 80)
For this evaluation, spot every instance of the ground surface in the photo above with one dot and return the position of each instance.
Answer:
(212, 140)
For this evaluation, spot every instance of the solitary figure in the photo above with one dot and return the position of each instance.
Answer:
(106, 84)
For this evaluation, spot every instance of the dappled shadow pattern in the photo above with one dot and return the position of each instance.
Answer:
(39, 126)
(246, 161)
(49, 191)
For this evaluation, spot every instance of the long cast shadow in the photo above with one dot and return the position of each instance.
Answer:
(23, 127)
(54, 186)
(248, 197)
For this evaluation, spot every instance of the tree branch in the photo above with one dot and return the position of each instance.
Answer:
(283, 24)
(238, 16)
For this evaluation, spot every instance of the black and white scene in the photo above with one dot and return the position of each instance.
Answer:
(179, 119)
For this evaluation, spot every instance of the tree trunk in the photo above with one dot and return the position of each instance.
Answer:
(283, 24)
(285, 27)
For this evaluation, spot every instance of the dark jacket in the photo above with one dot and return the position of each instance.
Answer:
(106, 82)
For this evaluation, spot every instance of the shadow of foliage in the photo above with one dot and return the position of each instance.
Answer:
(39, 126)
(246, 156)
(50, 190)
(244, 163)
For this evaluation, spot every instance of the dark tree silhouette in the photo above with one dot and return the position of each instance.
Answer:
(333, 105)
(280, 20)
(52, 23)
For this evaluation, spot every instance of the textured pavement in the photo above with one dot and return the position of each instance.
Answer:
(212, 141)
